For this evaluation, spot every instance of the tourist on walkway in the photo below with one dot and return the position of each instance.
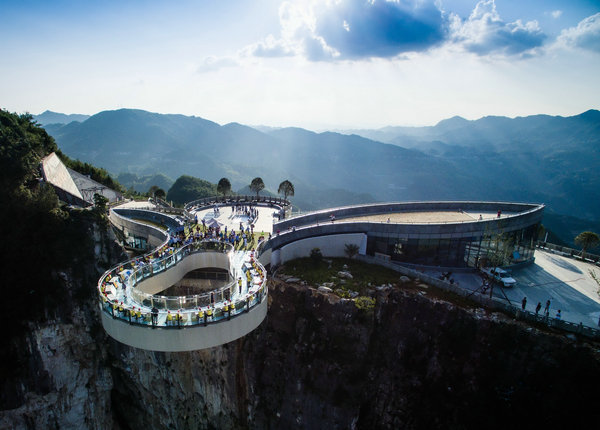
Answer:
(524, 303)
(558, 315)
(154, 316)
(547, 308)
(537, 308)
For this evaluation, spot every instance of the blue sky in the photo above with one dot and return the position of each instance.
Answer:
(314, 64)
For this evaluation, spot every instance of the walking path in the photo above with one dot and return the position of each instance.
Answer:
(566, 282)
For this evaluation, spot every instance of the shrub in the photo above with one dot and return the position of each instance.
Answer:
(351, 249)
(316, 256)
(364, 303)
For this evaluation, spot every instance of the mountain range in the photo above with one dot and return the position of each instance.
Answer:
(49, 117)
(546, 159)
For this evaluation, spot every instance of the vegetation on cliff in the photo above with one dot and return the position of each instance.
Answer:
(44, 244)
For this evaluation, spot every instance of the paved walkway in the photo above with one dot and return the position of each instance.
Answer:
(238, 260)
(565, 281)
(133, 204)
(264, 222)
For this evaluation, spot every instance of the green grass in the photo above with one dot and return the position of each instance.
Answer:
(362, 273)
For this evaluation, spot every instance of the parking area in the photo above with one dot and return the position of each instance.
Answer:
(566, 282)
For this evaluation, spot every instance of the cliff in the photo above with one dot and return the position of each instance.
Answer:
(414, 361)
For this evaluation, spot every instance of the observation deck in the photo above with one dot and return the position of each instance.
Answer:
(135, 313)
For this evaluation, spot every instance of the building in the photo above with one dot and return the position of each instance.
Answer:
(444, 234)
(73, 187)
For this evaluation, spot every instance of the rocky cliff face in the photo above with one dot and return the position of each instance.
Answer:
(55, 373)
(319, 362)
(414, 361)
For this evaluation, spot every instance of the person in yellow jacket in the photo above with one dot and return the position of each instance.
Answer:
(169, 318)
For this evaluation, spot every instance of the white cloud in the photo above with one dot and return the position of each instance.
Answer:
(586, 35)
(210, 64)
(484, 33)
(271, 47)
(556, 14)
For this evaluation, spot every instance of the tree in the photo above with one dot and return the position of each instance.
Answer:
(152, 190)
(316, 256)
(256, 185)
(100, 202)
(160, 193)
(587, 239)
(351, 249)
(224, 186)
(286, 188)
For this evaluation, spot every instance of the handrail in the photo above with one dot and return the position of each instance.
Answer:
(567, 252)
(224, 308)
(183, 302)
(335, 211)
(493, 302)
(156, 266)
(209, 201)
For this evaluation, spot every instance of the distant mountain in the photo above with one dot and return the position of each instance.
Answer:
(546, 159)
(49, 117)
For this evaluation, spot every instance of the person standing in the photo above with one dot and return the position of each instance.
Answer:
(523, 303)
(154, 316)
(537, 308)
(547, 308)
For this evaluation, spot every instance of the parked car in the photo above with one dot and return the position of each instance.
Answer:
(500, 275)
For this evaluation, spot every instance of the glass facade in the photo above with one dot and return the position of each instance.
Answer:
(487, 249)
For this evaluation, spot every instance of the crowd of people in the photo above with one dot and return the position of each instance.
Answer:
(189, 233)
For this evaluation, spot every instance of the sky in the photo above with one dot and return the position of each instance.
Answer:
(325, 64)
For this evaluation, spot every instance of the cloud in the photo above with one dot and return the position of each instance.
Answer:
(330, 30)
(271, 47)
(556, 14)
(585, 36)
(364, 29)
(485, 33)
(354, 29)
(210, 64)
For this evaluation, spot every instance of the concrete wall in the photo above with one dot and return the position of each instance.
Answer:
(409, 231)
(155, 236)
(330, 246)
(265, 257)
(384, 208)
(188, 338)
(163, 280)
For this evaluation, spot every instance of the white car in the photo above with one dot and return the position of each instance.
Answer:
(500, 275)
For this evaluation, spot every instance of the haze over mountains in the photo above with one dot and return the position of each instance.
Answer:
(552, 160)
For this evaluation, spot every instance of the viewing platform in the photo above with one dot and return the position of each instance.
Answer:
(136, 312)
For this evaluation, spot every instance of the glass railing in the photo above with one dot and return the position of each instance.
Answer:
(179, 319)
(129, 274)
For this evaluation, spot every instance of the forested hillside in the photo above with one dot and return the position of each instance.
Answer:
(47, 249)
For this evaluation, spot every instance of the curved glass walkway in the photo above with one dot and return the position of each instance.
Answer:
(131, 306)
